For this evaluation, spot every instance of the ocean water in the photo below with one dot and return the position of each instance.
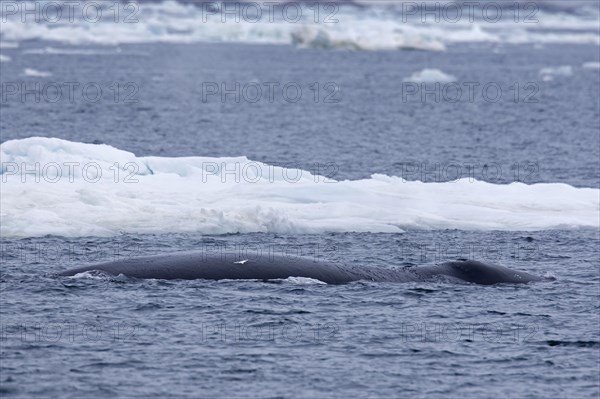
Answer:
(399, 152)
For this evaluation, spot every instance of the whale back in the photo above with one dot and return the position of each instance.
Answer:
(484, 273)
(196, 265)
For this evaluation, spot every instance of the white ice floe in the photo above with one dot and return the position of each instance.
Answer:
(430, 76)
(81, 189)
(591, 65)
(34, 73)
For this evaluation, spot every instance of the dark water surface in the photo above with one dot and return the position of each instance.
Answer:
(104, 337)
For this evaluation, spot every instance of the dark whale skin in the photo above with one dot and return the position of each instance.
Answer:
(198, 265)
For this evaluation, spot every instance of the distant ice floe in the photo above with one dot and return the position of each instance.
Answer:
(5, 58)
(35, 73)
(71, 51)
(381, 26)
(98, 190)
(548, 74)
(591, 65)
(430, 76)
(8, 45)
(362, 39)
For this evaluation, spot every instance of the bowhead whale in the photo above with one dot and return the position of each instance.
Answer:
(199, 265)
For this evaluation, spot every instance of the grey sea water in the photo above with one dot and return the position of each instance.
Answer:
(117, 337)
(104, 337)
(368, 122)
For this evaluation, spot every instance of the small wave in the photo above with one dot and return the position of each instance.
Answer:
(576, 344)
(91, 274)
(549, 276)
(5, 58)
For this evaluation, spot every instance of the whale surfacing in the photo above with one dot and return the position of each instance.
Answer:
(199, 265)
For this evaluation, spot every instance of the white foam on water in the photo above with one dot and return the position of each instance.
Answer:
(5, 58)
(430, 76)
(35, 73)
(107, 191)
(303, 281)
(90, 274)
